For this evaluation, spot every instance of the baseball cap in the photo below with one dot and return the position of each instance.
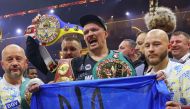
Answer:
(92, 18)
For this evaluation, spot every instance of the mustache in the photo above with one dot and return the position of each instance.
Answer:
(152, 55)
(13, 67)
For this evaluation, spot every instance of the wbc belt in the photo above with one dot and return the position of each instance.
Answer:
(113, 66)
(51, 28)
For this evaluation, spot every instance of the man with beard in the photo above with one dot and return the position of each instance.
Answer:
(99, 58)
(12, 85)
(156, 54)
(180, 44)
(71, 47)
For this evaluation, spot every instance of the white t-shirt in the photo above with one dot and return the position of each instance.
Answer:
(9, 95)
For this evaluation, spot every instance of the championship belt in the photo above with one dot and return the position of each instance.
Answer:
(113, 66)
(47, 29)
(64, 71)
(51, 28)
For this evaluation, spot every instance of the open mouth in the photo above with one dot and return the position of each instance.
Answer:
(92, 41)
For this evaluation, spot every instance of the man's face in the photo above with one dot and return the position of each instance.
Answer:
(179, 46)
(140, 42)
(94, 36)
(14, 63)
(156, 49)
(71, 49)
(125, 48)
(32, 73)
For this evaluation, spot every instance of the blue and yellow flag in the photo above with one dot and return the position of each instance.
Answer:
(116, 93)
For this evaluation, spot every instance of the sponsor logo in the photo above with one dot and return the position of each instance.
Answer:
(12, 104)
(88, 67)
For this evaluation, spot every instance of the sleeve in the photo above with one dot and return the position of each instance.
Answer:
(77, 66)
(74, 66)
(34, 56)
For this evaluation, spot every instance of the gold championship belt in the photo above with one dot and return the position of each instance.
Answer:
(64, 71)
(50, 28)
(47, 29)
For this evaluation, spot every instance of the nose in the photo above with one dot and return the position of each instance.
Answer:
(151, 49)
(90, 33)
(173, 43)
(68, 51)
(14, 63)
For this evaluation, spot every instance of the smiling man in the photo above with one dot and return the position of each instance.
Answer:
(180, 45)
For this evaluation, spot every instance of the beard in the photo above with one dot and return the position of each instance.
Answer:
(160, 57)
(15, 74)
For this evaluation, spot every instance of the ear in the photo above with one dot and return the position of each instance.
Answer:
(106, 34)
(189, 43)
(2, 64)
(169, 46)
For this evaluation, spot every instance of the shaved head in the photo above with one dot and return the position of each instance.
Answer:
(14, 63)
(157, 33)
(156, 46)
(10, 48)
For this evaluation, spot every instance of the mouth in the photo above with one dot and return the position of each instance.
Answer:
(92, 41)
(69, 56)
(152, 56)
(15, 70)
(175, 49)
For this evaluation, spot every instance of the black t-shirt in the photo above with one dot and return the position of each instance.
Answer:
(83, 67)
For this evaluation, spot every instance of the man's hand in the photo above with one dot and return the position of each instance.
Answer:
(33, 88)
(173, 105)
(160, 75)
(36, 19)
(34, 85)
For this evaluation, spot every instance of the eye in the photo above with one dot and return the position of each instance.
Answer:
(72, 48)
(86, 32)
(94, 29)
(65, 49)
(178, 41)
(19, 58)
(146, 45)
(139, 43)
(9, 59)
(157, 44)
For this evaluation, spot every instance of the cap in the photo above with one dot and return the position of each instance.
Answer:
(92, 18)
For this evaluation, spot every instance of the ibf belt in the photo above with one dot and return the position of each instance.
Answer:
(113, 66)
(64, 71)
